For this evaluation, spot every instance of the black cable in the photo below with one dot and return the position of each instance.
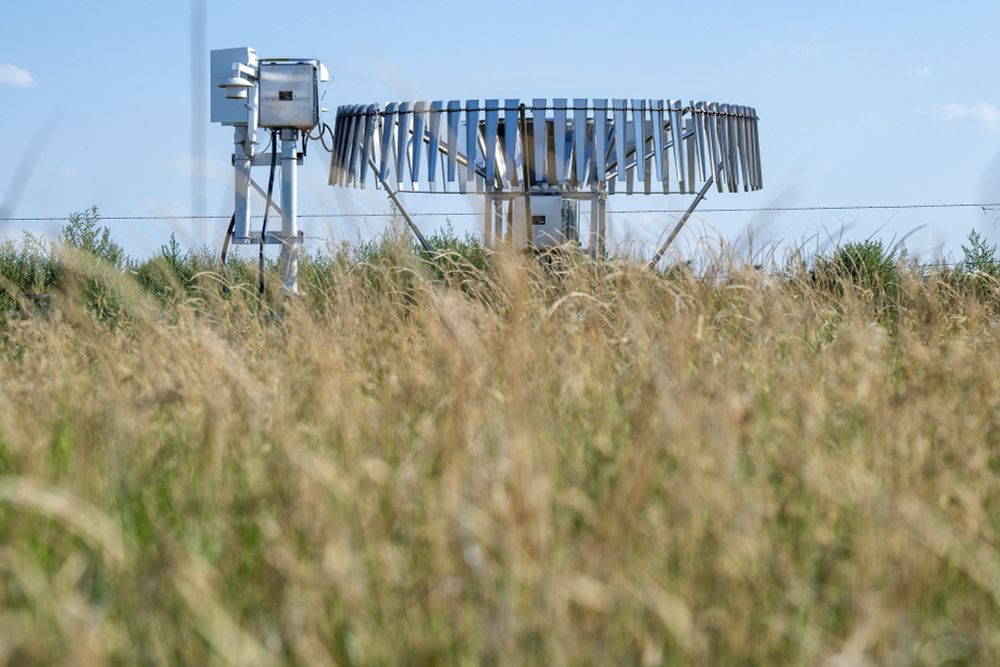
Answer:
(267, 209)
(225, 249)
(229, 236)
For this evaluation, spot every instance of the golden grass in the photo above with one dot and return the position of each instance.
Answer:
(579, 466)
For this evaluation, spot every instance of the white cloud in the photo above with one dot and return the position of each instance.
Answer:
(922, 72)
(983, 113)
(12, 75)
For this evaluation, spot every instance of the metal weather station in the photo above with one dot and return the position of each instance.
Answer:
(280, 96)
(535, 162)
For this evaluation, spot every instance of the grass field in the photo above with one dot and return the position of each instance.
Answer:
(500, 462)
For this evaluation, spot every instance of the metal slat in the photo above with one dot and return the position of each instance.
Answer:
(403, 120)
(691, 150)
(471, 137)
(388, 134)
(699, 133)
(580, 140)
(600, 140)
(741, 133)
(510, 132)
(540, 131)
(726, 141)
(661, 139)
(351, 147)
(714, 151)
(419, 120)
(371, 121)
(334, 176)
(342, 143)
(559, 138)
(621, 133)
(648, 145)
(676, 129)
(454, 118)
(490, 154)
(434, 147)
(734, 167)
(639, 130)
(756, 150)
(748, 142)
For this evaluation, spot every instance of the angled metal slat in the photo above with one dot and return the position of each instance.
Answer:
(334, 176)
(403, 120)
(471, 137)
(490, 154)
(434, 114)
(714, 150)
(454, 118)
(699, 132)
(540, 131)
(755, 147)
(600, 140)
(510, 132)
(648, 145)
(371, 123)
(619, 107)
(343, 144)
(661, 139)
(676, 130)
(388, 137)
(580, 140)
(559, 137)
(351, 149)
(724, 144)
(741, 134)
(691, 150)
(639, 135)
(734, 154)
(419, 120)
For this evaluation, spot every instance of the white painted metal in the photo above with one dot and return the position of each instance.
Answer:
(222, 61)
(290, 242)
(562, 150)
(250, 93)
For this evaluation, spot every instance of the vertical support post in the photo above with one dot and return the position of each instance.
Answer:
(519, 232)
(488, 220)
(241, 184)
(602, 227)
(289, 258)
(595, 214)
(498, 226)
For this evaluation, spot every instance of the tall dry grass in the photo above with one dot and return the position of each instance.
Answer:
(564, 465)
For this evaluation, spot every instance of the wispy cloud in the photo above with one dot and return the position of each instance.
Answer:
(920, 72)
(12, 75)
(983, 114)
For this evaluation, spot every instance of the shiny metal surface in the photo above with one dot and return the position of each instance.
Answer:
(579, 145)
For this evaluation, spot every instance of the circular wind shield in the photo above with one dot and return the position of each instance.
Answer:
(631, 146)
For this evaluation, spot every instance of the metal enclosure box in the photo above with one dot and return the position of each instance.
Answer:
(554, 221)
(224, 110)
(289, 95)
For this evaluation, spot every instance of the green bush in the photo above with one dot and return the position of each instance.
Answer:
(864, 265)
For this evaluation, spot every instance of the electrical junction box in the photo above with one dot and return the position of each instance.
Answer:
(554, 221)
(289, 95)
(224, 110)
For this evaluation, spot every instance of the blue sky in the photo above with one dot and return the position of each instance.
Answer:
(860, 102)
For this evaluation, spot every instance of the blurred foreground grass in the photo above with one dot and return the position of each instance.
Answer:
(500, 463)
